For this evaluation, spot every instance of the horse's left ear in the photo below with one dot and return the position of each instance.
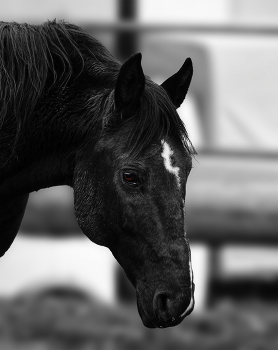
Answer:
(130, 83)
(177, 85)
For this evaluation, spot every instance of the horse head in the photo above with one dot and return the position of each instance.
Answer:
(130, 190)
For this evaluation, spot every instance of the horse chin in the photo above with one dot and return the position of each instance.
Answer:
(145, 319)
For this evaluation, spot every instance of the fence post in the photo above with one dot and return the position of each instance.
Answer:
(127, 39)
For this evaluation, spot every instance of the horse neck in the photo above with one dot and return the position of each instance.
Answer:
(44, 155)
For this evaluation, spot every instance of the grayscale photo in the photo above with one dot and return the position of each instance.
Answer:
(138, 174)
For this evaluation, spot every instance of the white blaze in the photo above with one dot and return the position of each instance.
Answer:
(166, 155)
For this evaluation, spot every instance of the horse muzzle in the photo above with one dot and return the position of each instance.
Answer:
(166, 309)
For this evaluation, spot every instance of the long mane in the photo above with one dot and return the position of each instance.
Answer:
(34, 59)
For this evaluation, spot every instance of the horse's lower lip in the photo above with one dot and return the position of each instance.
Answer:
(157, 324)
(174, 321)
(151, 324)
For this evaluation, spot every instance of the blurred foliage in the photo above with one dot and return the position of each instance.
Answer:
(69, 319)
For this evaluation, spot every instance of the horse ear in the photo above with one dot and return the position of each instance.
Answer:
(177, 85)
(130, 82)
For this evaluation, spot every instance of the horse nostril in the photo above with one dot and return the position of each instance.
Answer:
(168, 308)
(161, 300)
(163, 306)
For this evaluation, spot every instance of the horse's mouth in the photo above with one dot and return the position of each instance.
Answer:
(151, 320)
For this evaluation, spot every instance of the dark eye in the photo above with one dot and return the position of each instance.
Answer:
(131, 178)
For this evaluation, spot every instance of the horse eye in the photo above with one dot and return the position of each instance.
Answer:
(131, 179)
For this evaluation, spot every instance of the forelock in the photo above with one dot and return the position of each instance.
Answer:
(156, 119)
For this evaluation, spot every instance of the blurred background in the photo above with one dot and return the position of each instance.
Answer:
(59, 290)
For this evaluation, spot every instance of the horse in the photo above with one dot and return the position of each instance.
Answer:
(72, 114)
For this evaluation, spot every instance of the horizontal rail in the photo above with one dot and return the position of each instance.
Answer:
(234, 29)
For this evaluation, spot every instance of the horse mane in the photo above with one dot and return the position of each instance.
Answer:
(34, 59)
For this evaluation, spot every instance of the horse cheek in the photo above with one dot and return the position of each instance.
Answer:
(95, 208)
(86, 205)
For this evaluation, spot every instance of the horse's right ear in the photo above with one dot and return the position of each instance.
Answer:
(130, 83)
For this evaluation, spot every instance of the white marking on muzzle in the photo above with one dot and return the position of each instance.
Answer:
(191, 289)
(166, 155)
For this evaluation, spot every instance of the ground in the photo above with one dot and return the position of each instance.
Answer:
(69, 319)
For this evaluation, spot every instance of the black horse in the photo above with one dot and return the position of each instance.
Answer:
(70, 114)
